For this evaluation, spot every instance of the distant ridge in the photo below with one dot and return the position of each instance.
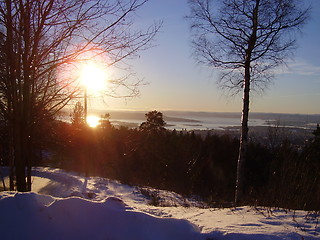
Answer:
(141, 116)
(191, 116)
(256, 115)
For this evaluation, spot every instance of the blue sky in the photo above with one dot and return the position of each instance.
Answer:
(176, 82)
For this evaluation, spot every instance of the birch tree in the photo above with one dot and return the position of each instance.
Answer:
(246, 40)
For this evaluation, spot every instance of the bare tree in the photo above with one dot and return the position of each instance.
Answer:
(246, 40)
(38, 40)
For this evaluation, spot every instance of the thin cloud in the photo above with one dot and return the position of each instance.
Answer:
(299, 68)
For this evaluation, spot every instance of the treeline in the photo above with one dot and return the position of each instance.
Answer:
(187, 163)
(179, 161)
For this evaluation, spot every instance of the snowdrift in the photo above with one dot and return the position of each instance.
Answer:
(34, 216)
(68, 206)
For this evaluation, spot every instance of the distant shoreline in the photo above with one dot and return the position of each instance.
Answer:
(210, 120)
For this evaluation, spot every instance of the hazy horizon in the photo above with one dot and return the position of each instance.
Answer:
(106, 110)
(179, 115)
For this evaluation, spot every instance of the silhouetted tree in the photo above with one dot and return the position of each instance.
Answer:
(105, 121)
(316, 133)
(246, 40)
(41, 38)
(77, 116)
(310, 170)
(154, 122)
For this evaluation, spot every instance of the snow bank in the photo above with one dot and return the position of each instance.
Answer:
(65, 205)
(34, 216)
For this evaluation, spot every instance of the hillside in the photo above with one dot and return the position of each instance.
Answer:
(69, 206)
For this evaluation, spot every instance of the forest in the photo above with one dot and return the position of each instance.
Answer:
(279, 175)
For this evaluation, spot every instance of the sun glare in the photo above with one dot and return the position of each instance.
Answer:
(93, 77)
(93, 121)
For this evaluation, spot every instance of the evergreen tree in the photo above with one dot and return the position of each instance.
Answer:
(77, 116)
(316, 133)
(105, 121)
(154, 122)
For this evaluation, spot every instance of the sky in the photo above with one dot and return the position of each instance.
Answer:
(176, 82)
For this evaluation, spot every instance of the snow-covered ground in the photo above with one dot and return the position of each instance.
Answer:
(68, 206)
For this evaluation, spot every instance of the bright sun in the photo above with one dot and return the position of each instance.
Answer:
(93, 77)
(93, 121)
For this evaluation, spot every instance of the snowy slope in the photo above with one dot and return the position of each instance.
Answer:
(68, 206)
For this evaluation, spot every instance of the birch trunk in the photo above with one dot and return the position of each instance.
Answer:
(240, 188)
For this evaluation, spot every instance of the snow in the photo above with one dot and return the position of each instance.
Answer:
(65, 205)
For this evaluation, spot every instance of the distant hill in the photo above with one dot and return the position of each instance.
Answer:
(198, 117)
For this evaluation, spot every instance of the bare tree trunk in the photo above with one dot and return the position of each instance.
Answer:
(15, 150)
(19, 161)
(3, 182)
(245, 110)
(243, 143)
(29, 167)
(11, 162)
(27, 108)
